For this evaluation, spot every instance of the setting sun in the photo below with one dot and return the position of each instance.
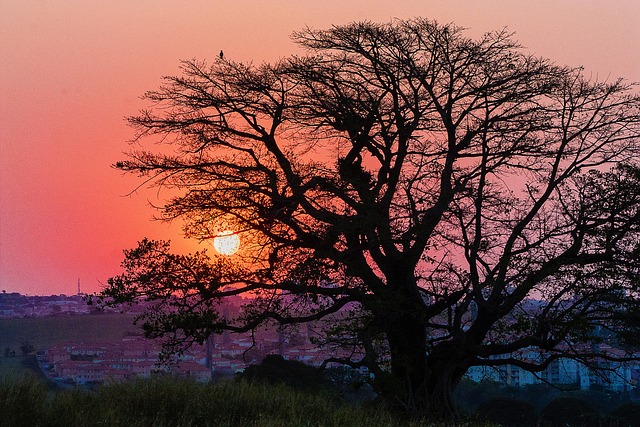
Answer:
(226, 242)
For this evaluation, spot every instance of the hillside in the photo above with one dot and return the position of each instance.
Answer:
(45, 332)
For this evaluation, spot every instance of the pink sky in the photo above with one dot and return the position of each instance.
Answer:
(71, 70)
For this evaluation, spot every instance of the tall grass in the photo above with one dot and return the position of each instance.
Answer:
(22, 401)
(175, 402)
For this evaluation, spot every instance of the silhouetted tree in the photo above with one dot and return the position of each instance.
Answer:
(444, 202)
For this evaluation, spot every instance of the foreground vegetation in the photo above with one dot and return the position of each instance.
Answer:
(174, 402)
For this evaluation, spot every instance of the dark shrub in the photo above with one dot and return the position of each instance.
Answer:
(470, 394)
(508, 411)
(571, 411)
(538, 394)
(276, 369)
(627, 414)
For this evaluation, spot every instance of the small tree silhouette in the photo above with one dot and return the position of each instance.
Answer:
(276, 369)
(569, 410)
(26, 348)
(508, 411)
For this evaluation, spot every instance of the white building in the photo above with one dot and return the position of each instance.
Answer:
(614, 376)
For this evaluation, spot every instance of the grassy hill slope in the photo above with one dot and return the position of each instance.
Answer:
(45, 332)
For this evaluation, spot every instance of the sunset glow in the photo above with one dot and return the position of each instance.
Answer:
(70, 71)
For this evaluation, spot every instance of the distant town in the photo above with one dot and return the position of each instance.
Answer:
(134, 356)
(13, 304)
(223, 355)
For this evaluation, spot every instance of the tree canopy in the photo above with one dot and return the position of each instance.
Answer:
(441, 202)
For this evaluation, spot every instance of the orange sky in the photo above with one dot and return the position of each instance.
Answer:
(70, 70)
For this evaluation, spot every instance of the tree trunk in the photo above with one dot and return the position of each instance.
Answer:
(423, 384)
(442, 380)
(408, 366)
